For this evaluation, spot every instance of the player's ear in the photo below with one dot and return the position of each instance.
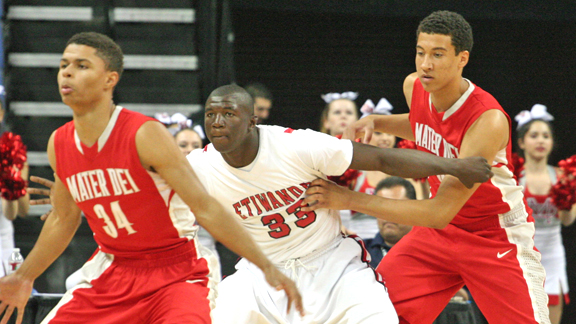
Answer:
(463, 57)
(112, 79)
(253, 121)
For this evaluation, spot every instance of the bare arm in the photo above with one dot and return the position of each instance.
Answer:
(10, 209)
(568, 216)
(158, 152)
(416, 164)
(55, 236)
(436, 212)
(397, 125)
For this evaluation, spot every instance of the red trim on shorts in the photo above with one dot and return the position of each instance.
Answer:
(184, 252)
(366, 259)
(288, 130)
(554, 300)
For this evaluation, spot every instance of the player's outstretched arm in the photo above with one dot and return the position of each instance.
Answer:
(158, 152)
(416, 164)
(15, 289)
(436, 212)
(397, 125)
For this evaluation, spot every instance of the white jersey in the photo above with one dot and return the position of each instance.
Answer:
(266, 194)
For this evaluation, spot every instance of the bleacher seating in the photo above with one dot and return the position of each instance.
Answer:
(161, 74)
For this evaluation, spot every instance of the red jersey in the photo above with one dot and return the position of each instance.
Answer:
(130, 210)
(442, 134)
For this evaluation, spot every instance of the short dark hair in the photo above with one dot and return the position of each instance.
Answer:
(391, 182)
(451, 24)
(106, 49)
(245, 98)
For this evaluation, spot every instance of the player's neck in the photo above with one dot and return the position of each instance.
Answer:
(90, 122)
(246, 153)
(444, 98)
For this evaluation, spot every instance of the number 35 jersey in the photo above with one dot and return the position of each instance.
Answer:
(266, 194)
(131, 211)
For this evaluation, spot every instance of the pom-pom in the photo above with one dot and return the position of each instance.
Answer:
(12, 186)
(345, 180)
(12, 158)
(563, 193)
(12, 151)
(406, 144)
(568, 166)
(518, 164)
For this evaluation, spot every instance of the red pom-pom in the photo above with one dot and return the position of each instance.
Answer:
(568, 166)
(563, 193)
(12, 151)
(12, 158)
(12, 186)
(345, 180)
(406, 144)
(518, 164)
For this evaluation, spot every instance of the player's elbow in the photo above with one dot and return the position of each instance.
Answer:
(439, 222)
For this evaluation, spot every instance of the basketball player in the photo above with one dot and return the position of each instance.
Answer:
(125, 173)
(260, 173)
(480, 236)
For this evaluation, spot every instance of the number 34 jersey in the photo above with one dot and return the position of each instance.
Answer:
(131, 211)
(266, 194)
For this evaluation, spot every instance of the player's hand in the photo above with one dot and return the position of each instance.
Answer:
(279, 281)
(41, 192)
(14, 294)
(325, 194)
(471, 170)
(363, 128)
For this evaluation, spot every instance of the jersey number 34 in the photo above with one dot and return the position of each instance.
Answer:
(121, 220)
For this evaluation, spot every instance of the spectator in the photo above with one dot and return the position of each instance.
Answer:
(389, 232)
(13, 204)
(536, 141)
(340, 112)
(262, 100)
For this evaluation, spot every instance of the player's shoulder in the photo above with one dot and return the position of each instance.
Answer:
(202, 156)
(63, 132)
(483, 98)
(133, 116)
(409, 81)
(286, 132)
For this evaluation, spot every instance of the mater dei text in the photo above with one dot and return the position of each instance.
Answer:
(94, 184)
